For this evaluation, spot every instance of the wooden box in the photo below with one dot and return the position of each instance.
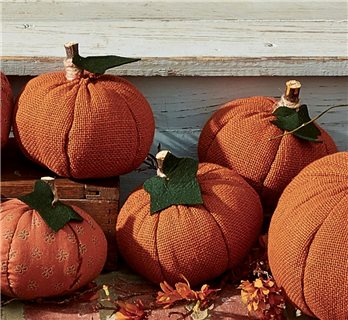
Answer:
(98, 197)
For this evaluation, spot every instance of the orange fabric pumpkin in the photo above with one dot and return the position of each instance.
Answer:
(308, 239)
(6, 108)
(200, 241)
(37, 262)
(237, 136)
(90, 127)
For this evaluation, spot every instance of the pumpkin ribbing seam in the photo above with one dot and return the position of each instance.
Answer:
(156, 246)
(262, 182)
(79, 257)
(136, 126)
(309, 246)
(9, 250)
(227, 105)
(67, 136)
(222, 234)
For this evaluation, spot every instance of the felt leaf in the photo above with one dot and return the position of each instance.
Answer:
(290, 119)
(57, 216)
(180, 186)
(99, 64)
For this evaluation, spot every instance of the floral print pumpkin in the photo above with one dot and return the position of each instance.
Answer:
(39, 262)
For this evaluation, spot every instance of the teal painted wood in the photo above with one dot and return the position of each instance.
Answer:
(182, 105)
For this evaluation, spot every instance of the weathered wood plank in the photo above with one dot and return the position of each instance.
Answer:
(193, 66)
(184, 39)
(176, 10)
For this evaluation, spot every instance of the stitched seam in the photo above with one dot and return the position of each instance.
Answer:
(144, 218)
(136, 126)
(78, 276)
(9, 249)
(222, 234)
(67, 135)
(309, 245)
(262, 185)
(156, 246)
(227, 121)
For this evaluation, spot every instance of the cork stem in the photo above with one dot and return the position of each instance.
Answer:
(72, 72)
(160, 156)
(291, 96)
(51, 182)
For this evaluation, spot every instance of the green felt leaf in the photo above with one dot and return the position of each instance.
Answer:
(290, 119)
(56, 216)
(99, 64)
(180, 186)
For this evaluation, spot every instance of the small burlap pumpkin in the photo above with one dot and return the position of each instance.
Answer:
(237, 136)
(198, 241)
(92, 126)
(6, 106)
(38, 262)
(308, 239)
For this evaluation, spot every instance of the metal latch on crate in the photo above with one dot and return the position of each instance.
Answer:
(100, 193)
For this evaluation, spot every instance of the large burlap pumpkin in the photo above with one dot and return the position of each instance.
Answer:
(6, 100)
(38, 262)
(237, 136)
(308, 239)
(93, 126)
(198, 241)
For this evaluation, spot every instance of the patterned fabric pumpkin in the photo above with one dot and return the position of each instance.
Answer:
(199, 241)
(38, 262)
(237, 136)
(308, 239)
(6, 106)
(90, 126)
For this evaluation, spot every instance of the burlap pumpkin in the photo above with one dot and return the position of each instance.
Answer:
(89, 127)
(198, 241)
(308, 239)
(37, 262)
(6, 100)
(237, 136)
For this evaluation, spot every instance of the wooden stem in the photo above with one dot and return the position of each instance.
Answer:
(72, 72)
(292, 91)
(71, 49)
(51, 182)
(160, 156)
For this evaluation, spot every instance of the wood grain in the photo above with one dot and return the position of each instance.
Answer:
(180, 38)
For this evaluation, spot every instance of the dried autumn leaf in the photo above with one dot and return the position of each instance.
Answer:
(131, 311)
(263, 298)
(258, 283)
(183, 292)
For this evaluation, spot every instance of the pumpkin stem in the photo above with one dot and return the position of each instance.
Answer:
(72, 72)
(291, 96)
(51, 182)
(160, 156)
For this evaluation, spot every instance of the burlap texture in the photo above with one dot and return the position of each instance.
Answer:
(85, 128)
(201, 241)
(6, 106)
(308, 239)
(237, 136)
(37, 262)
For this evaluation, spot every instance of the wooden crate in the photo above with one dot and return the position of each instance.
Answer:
(98, 197)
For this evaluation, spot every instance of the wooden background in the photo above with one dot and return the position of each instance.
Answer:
(195, 55)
